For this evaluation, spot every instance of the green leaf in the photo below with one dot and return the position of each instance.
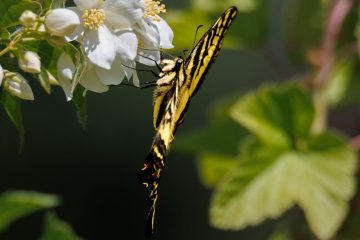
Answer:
(80, 103)
(55, 229)
(11, 10)
(46, 5)
(15, 205)
(44, 80)
(212, 168)
(277, 115)
(281, 234)
(8, 64)
(12, 106)
(352, 223)
(210, 139)
(270, 180)
(58, 4)
(338, 84)
(4, 33)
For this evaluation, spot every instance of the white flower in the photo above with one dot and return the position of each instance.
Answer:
(61, 21)
(27, 18)
(110, 33)
(153, 32)
(1, 74)
(16, 85)
(30, 62)
(94, 78)
(96, 31)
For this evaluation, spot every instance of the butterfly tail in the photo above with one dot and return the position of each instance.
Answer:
(149, 175)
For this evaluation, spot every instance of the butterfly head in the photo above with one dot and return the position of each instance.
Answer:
(170, 65)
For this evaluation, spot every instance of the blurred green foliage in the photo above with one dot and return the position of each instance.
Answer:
(282, 166)
(250, 31)
(282, 153)
(12, 107)
(15, 205)
(55, 229)
(10, 11)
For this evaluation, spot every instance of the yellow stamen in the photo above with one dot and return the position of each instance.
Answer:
(93, 18)
(153, 9)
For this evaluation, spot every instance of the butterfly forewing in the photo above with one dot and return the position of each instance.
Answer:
(206, 50)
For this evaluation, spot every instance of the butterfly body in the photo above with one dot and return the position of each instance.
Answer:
(179, 80)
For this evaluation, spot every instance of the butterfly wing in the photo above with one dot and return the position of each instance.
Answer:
(207, 49)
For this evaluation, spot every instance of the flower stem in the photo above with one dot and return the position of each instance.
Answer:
(11, 45)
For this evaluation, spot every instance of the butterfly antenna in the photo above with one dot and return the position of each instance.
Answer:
(196, 33)
(161, 52)
(142, 70)
(143, 86)
(157, 65)
(184, 52)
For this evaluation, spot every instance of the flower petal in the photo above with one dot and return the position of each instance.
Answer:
(148, 33)
(149, 57)
(165, 32)
(114, 76)
(1, 74)
(62, 21)
(88, 4)
(130, 72)
(90, 80)
(99, 47)
(78, 32)
(149, 43)
(126, 45)
(66, 69)
(129, 68)
(122, 14)
(136, 80)
(29, 61)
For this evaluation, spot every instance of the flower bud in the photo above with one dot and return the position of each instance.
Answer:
(16, 85)
(52, 79)
(61, 21)
(1, 74)
(27, 18)
(30, 62)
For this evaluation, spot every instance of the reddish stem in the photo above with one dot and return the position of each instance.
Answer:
(337, 15)
(355, 142)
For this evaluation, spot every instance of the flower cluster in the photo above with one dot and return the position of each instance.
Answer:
(96, 43)
(114, 35)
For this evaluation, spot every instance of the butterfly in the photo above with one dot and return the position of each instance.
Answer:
(178, 82)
